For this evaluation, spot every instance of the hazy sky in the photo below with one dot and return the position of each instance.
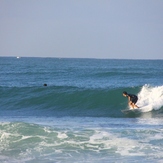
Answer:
(128, 29)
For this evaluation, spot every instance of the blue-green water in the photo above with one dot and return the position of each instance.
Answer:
(77, 117)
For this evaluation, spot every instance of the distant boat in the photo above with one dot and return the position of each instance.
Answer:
(17, 57)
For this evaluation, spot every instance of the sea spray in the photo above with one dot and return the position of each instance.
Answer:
(151, 97)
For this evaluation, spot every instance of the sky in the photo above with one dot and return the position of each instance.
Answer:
(113, 29)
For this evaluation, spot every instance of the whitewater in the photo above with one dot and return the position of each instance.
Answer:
(77, 117)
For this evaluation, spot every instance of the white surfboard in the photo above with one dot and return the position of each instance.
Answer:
(142, 109)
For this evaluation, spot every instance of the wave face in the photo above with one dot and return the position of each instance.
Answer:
(77, 87)
(73, 101)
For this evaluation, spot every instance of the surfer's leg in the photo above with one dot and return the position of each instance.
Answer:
(131, 104)
(135, 101)
(136, 106)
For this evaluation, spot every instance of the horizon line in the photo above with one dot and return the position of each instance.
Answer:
(19, 57)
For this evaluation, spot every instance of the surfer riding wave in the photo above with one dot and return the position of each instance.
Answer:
(132, 99)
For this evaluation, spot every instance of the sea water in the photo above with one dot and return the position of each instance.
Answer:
(77, 117)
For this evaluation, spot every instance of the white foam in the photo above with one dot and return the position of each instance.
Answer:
(150, 98)
(98, 135)
(123, 146)
(62, 135)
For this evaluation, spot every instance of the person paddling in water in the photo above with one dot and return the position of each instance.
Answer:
(132, 99)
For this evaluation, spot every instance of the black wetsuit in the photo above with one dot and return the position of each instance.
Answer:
(133, 98)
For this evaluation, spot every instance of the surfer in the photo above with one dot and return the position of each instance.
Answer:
(132, 99)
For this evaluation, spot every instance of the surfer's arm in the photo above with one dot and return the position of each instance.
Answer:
(128, 98)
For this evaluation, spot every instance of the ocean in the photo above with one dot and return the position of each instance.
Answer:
(77, 117)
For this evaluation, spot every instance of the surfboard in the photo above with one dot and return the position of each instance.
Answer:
(128, 111)
(142, 109)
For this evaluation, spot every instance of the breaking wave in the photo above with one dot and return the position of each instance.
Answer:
(74, 101)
